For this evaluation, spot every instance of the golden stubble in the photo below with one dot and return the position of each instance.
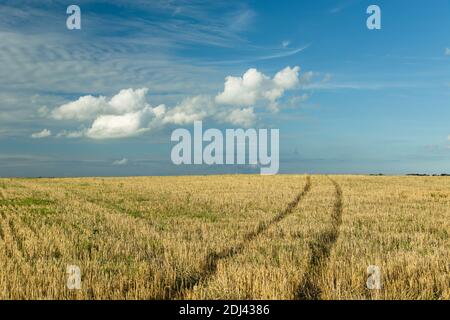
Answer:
(225, 237)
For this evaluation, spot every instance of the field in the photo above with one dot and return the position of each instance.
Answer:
(225, 237)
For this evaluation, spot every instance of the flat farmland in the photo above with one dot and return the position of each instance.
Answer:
(226, 237)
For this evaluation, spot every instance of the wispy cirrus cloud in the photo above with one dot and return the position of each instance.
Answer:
(342, 5)
(254, 55)
(46, 61)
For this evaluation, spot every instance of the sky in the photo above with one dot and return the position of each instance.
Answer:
(104, 100)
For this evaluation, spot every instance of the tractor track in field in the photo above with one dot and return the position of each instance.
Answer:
(182, 285)
(321, 246)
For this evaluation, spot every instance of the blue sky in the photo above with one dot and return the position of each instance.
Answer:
(365, 101)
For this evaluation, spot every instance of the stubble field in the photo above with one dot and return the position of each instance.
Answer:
(225, 237)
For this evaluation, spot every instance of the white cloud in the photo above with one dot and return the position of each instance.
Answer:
(190, 110)
(121, 162)
(126, 114)
(202, 107)
(129, 100)
(159, 111)
(52, 65)
(254, 86)
(42, 134)
(241, 117)
(117, 126)
(89, 107)
(85, 108)
(287, 78)
(129, 114)
(242, 91)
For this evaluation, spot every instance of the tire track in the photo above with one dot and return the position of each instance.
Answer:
(181, 285)
(310, 288)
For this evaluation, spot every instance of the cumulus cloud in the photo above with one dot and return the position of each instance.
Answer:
(189, 110)
(121, 162)
(242, 117)
(117, 126)
(42, 134)
(287, 78)
(85, 108)
(89, 107)
(128, 113)
(243, 90)
(129, 100)
(255, 86)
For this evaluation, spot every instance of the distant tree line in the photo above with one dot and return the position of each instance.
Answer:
(415, 175)
(428, 175)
